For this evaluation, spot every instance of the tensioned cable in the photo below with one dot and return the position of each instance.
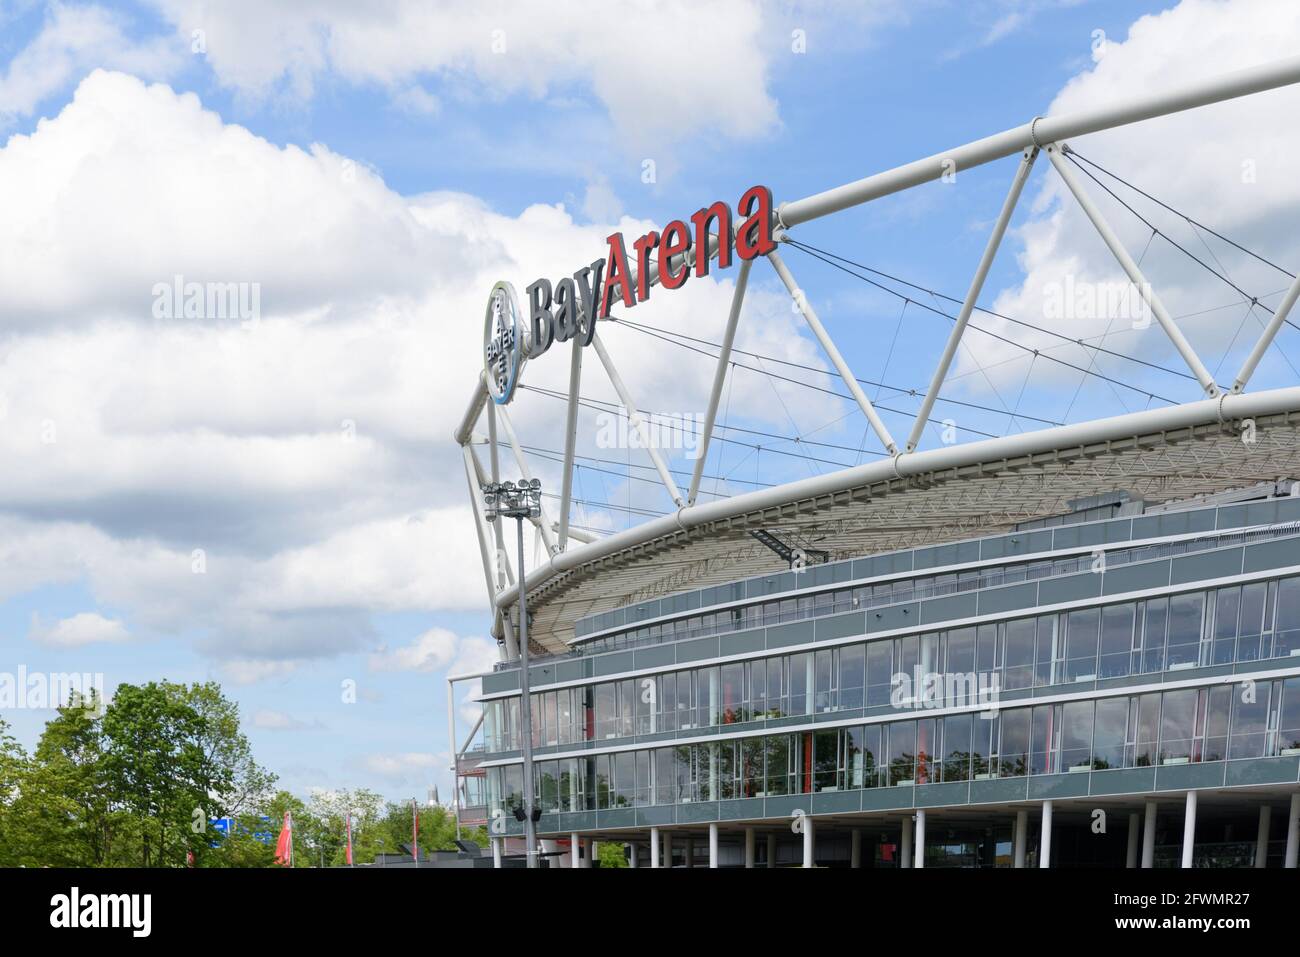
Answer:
(1250, 252)
(1253, 300)
(808, 385)
(898, 390)
(819, 254)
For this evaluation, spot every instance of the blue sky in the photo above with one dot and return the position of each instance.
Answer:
(396, 166)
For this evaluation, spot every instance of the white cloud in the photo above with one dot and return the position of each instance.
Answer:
(1202, 175)
(84, 628)
(72, 40)
(266, 488)
(410, 768)
(657, 80)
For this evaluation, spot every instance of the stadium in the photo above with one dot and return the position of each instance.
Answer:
(1075, 645)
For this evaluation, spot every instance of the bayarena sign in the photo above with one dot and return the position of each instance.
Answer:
(568, 309)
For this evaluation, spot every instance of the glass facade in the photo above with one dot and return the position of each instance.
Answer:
(1242, 623)
(1179, 726)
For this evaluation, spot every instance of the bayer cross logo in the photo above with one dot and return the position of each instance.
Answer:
(502, 343)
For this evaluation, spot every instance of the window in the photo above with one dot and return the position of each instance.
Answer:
(1013, 746)
(901, 754)
(1081, 651)
(957, 746)
(726, 782)
(1116, 658)
(1288, 731)
(1250, 722)
(1227, 609)
(624, 779)
(826, 760)
(929, 750)
(880, 672)
(1185, 620)
(823, 663)
(961, 661)
(852, 675)
(1019, 639)
(1251, 626)
(853, 759)
(800, 672)
(733, 694)
(1286, 637)
(666, 703)
(1051, 652)
(1219, 702)
(872, 756)
(1045, 739)
(1076, 735)
(752, 777)
(777, 757)
(604, 782)
(1110, 734)
(606, 711)
(1178, 726)
(1153, 634)
(758, 686)
(627, 707)
(1144, 729)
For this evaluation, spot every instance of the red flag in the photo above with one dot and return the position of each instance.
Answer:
(284, 846)
(348, 856)
(415, 833)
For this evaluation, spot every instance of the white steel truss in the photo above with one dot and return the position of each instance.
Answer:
(1000, 490)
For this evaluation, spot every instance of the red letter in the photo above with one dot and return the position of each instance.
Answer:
(643, 246)
(616, 273)
(754, 238)
(722, 214)
(674, 242)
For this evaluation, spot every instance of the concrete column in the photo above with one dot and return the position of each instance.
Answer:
(654, 847)
(1045, 842)
(920, 837)
(771, 850)
(905, 851)
(575, 846)
(1293, 833)
(690, 851)
(1261, 840)
(593, 851)
(1134, 837)
(808, 848)
(1022, 837)
(713, 845)
(1189, 829)
(1149, 837)
(855, 853)
(668, 848)
(749, 847)
(496, 852)
(632, 855)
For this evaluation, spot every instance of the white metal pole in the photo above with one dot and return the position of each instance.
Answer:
(713, 845)
(575, 850)
(633, 856)
(496, 852)
(455, 754)
(720, 376)
(1021, 837)
(832, 352)
(654, 847)
(637, 421)
(1189, 830)
(570, 441)
(1043, 130)
(809, 850)
(920, 837)
(1045, 842)
(1149, 837)
(1266, 338)
(749, 847)
(972, 294)
(526, 711)
(1054, 153)
(1293, 834)
(1261, 838)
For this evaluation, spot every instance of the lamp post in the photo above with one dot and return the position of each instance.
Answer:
(520, 501)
